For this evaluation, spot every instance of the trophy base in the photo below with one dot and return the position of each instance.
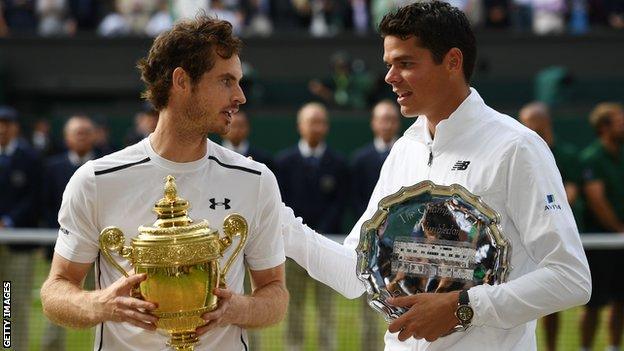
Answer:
(184, 341)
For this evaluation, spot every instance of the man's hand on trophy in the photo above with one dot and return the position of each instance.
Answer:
(430, 316)
(115, 304)
(225, 313)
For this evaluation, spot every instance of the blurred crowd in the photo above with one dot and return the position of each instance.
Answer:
(115, 18)
(321, 186)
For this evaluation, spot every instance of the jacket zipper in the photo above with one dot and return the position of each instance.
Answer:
(430, 162)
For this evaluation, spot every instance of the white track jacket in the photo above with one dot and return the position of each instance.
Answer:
(514, 172)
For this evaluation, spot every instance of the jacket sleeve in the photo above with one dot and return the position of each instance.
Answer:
(324, 259)
(558, 275)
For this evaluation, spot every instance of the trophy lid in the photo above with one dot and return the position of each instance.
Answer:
(172, 210)
(172, 219)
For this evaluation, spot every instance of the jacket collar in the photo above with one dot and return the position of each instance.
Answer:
(467, 115)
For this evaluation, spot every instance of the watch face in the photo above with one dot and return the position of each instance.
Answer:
(464, 314)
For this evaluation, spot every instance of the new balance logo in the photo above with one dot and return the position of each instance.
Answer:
(460, 166)
(225, 203)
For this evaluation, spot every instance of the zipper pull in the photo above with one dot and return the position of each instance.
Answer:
(430, 158)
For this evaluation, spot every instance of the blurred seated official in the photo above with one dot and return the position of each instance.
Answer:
(237, 140)
(365, 167)
(367, 160)
(603, 188)
(536, 116)
(79, 135)
(313, 180)
(145, 122)
(20, 181)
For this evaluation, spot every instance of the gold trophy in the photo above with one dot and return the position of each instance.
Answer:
(181, 260)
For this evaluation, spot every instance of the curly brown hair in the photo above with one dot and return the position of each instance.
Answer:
(190, 44)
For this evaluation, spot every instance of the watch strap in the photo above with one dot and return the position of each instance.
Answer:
(464, 299)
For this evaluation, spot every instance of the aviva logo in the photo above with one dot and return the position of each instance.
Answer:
(551, 204)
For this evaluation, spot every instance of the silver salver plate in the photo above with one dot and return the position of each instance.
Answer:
(430, 238)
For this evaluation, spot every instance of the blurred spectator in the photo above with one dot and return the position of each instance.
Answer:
(189, 8)
(313, 182)
(103, 145)
(144, 124)
(19, 16)
(603, 172)
(552, 85)
(237, 140)
(578, 22)
(161, 21)
(20, 180)
(231, 14)
(349, 86)
(79, 135)
(521, 15)
(114, 23)
(472, 8)
(257, 14)
(85, 13)
(367, 161)
(42, 139)
(360, 16)
(137, 13)
(536, 116)
(53, 18)
(366, 165)
(615, 13)
(497, 15)
(549, 16)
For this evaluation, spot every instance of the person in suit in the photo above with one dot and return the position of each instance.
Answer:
(145, 122)
(79, 136)
(367, 160)
(20, 171)
(237, 140)
(313, 181)
(365, 167)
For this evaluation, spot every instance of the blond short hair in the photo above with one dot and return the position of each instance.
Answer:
(602, 113)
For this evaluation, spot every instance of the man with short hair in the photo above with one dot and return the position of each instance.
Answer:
(20, 182)
(313, 181)
(603, 188)
(367, 160)
(145, 122)
(238, 140)
(79, 135)
(192, 74)
(430, 52)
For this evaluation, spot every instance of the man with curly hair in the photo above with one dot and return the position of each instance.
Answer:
(192, 74)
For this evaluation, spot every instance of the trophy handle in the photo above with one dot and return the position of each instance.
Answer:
(112, 239)
(233, 225)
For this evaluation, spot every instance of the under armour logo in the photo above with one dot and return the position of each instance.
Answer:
(225, 203)
(460, 166)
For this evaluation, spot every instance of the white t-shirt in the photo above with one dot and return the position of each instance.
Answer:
(121, 189)
(514, 172)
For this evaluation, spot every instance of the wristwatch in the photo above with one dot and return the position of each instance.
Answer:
(464, 312)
